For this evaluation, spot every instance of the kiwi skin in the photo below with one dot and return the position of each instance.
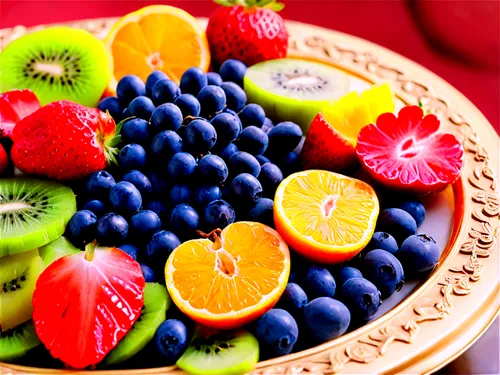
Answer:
(17, 342)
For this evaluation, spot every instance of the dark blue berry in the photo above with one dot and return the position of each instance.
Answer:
(184, 219)
(252, 114)
(96, 206)
(253, 140)
(384, 270)
(166, 117)
(263, 160)
(397, 222)
(218, 214)
(125, 198)
(188, 104)
(159, 182)
(193, 80)
(154, 77)
(140, 181)
(277, 332)
(200, 136)
(361, 297)
(132, 156)
(111, 230)
(326, 318)
(319, 282)
(129, 88)
(214, 79)
(113, 106)
(288, 162)
(262, 211)
(160, 247)
(346, 273)
(212, 169)
(165, 145)
(293, 300)
(136, 131)
(416, 209)
(141, 107)
(235, 96)
(246, 187)
(212, 100)
(99, 184)
(205, 194)
(131, 250)
(181, 166)
(143, 225)
(233, 71)
(148, 273)
(170, 341)
(384, 241)
(243, 162)
(228, 128)
(419, 253)
(180, 193)
(81, 228)
(285, 136)
(165, 91)
(227, 152)
(159, 207)
(270, 177)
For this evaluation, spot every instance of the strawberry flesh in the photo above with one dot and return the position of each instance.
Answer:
(82, 308)
(14, 106)
(408, 153)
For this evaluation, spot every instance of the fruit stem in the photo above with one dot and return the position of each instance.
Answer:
(89, 250)
(213, 236)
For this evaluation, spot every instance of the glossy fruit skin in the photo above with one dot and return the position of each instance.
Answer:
(397, 222)
(361, 297)
(228, 151)
(154, 77)
(384, 241)
(285, 136)
(243, 162)
(180, 193)
(246, 187)
(113, 106)
(188, 104)
(129, 88)
(218, 214)
(262, 211)
(132, 156)
(263, 160)
(228, 128)
(250, 37)
(193, 80)
(167, 117)
(140, 181)
(212, 169)
(181, 166)
(416, 209)
(319, 282)
(170, 341)
(136, 130)
(419, 253)
(160, 247)
(125, 198)
(270, 177)
(132, 250)
(212, 100)
(214, 79)
(233, 71)
(81, 228)
(252, 114)
(141, 107)
(347, 273)
(205, 194)
(14, 106)
(384, 270)
(99, 184)
(288, 162)
(326, 318)
(235, 96)
(143, 225)
(111, 230)
(95, 206)
(165, 91)
(200, 136)
(184, 219)
(164, 145)
(148, 273)
(277, 332)
(253, 140)
(293, 300)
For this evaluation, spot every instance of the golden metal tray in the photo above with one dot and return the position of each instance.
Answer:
(447, 313)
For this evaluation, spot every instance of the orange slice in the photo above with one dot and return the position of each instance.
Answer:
(157, 37)
(230, 279)
(325, 216)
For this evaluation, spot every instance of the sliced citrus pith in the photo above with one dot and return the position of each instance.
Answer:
(230, 279)
(157, 37)
(325, 216)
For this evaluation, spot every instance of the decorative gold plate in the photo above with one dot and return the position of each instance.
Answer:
(458, 302)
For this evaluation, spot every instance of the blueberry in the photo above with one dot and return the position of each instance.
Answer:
(347, 273)
(214, 79)
(218, 214)
(384, 270)
(132, 156)
(95, 206)
(298, 150)
(361, 297)
(165, 145)
(188, 104)
(419, 253)
(212, 100)
(228, 151)
(159, 207)
(148, 273)
(263, 160)
(285, 136)
(126, 113)
(129, 88)
(143, 225)
(140, 181)
(159, 183)
(397, 222)
(246, 187)
(99, 184)
(233, 71)
(165, 91)
(268, 123)
(416, 209)
(253, 140)
(270, 177)
(181, 166)
(180, 193)
(293, 300)
(184, 219)
(228, 128)
(154, 77)
(160, 247)
(170, 341)
(243, 162)
(262, 211)
(111, 230)
(212, 169)
(193, 80)
(125, 198)
(288, 162)
(235, 96)
(113, 106)
(319, 282)
(277, 332)
(136, 131)
(141, 107)
(252, 114)
(81, 228)
(200, 136)
(203, 195)
(326, 318)
(131, 250)
(384, 241)
(166, 117)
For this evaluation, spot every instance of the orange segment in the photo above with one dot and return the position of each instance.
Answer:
(157, 37)
(232, 280)
(325, 216)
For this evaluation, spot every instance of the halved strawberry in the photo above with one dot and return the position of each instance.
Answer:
(407, 152)
(85, 303)
(4, 160)
(14, 106)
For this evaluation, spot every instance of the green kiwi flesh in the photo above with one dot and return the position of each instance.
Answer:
(16, 342)
(223, 353)
(57, 249)
(58, 63)
(32, 213)
(18, 276)
(293, 89)
(156, 304)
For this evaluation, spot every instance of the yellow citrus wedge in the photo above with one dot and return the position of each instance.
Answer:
(157, 37)
(230, 279)
(325, 216)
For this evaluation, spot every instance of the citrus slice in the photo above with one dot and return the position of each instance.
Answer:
(325, 216)
(157, 37)
(230, 279)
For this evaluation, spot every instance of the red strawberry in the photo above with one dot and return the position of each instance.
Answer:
(64, 140)
(85, 303)
(4, 160)
(247, 32)
(408, 153)
(14, 106)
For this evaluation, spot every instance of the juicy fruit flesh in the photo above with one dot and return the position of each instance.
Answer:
(16, 342)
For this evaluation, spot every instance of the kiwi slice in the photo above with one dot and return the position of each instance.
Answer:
(18, 276)
(294, 89)
(32, 213)
(58, 63)
(57, 249)
(18, 341)
(156, 303)
(222, 353)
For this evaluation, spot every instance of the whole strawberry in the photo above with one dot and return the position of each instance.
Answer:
(64, 141)
(247, 30)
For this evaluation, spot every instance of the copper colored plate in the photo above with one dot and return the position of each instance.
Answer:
(459, 300)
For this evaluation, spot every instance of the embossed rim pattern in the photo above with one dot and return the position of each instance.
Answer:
(458, 302)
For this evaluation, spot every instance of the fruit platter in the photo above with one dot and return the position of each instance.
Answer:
(237, 194)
